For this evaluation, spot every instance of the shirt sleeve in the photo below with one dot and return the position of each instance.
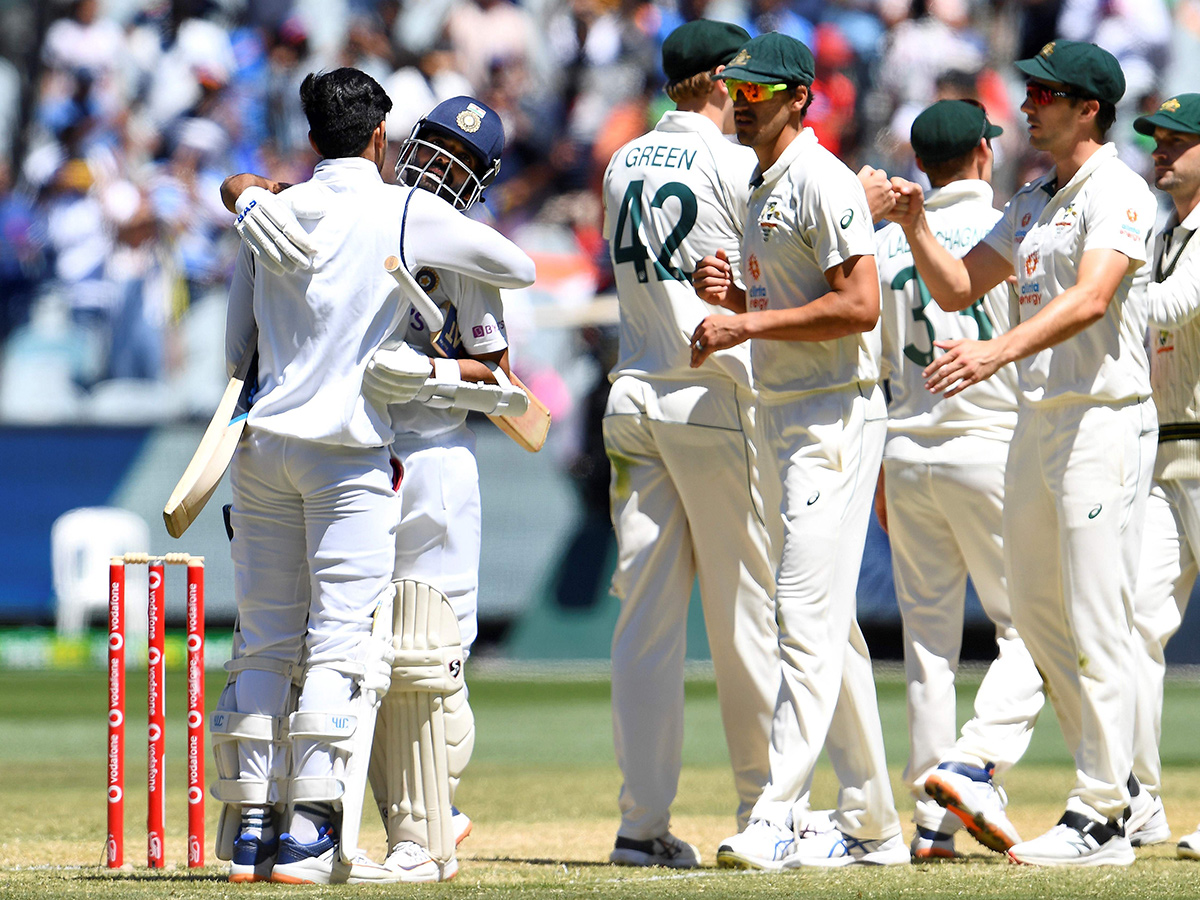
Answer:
(481, 317)
(239, 317)
(1176, 300)
(1121, 220)
(435, 234)
(838, 220)
(1000, 238)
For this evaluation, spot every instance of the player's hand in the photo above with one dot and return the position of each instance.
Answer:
(395, 375)
(271, 230)
(713, 279)
(963, 364)
(881, 503)
(910, 202)
(880, 197)
(716, 333)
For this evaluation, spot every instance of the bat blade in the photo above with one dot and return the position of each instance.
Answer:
(212, 456)
(531, 427)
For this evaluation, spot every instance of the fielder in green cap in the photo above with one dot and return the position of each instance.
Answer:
(1166, 572)
(811, 304)
(941, 498)
(671, 197)
(1077, 241)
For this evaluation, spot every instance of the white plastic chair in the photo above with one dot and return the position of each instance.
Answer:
(81, 543)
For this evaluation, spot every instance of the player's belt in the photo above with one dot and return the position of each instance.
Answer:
(1181, 431)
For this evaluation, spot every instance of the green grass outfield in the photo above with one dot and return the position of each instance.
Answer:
(542, 790)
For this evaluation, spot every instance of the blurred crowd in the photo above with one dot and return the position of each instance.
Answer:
(119, 119)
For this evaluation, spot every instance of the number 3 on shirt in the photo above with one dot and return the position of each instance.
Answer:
(924, 298)
(634, 250)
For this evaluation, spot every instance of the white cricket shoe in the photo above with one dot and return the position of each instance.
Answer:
(969, 792)
(1076, 841)
(762, 845)
(413, 865)
(815, 821)
(460, 822)
(833, 849)
(1189, 846)
(1146, 823)
(321, 863)
(932, 846)
(665, 850)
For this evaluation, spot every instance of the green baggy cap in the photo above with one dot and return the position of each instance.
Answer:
(772, 58)
(700, 46)
(1180, 113)
(1091, 70)
(950, 128)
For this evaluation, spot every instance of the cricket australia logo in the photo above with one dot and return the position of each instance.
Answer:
(1031, 263)
(771, 217)
(752, 266)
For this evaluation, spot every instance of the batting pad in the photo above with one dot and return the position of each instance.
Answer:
(348, 733)
(411, 760)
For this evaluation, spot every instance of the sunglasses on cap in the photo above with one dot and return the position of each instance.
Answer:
(1044, 95)
(752, 90)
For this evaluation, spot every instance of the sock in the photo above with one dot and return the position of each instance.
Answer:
(256, 822)
(307, 820)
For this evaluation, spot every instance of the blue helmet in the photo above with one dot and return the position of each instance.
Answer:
(425, 162)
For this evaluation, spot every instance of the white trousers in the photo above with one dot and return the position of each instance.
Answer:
(685, 504)
(439, 535)
(1077, 480)
(311, 522)
(943, 524)
(1166, 574)
(828, 450)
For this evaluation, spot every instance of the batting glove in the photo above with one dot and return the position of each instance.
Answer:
(395, 375)
(269, 227)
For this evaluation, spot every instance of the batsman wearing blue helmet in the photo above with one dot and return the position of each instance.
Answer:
(428, 380)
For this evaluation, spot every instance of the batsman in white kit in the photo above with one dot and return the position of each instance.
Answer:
(811, 311)
(943, 478)
(311, 767)
(684, 492)
(1082, 453)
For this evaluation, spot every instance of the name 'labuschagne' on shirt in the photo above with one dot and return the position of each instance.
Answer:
(660, 156)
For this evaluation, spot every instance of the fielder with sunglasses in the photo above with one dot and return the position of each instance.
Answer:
(1081, 457)
(811, 304)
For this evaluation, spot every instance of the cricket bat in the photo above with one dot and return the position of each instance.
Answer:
(212, 457)
(530, 428)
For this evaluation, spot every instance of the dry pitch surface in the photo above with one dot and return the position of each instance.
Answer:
(542, 791)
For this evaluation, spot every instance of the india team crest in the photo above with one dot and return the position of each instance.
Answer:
(428, 279)
(471, 118)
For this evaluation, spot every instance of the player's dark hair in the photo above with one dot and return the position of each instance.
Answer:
(807, 103)
(1105, 116)
(344, 107)
(946, 170)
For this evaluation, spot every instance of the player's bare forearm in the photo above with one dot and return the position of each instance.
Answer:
(851, 306)
(968, 362)
(232, 187)
(473, 368)
(881, 502)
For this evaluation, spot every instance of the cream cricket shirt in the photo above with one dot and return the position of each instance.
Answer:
(672, 197)
(1174, 301)
(808, 212)
(1045, 230)
(922, 427)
